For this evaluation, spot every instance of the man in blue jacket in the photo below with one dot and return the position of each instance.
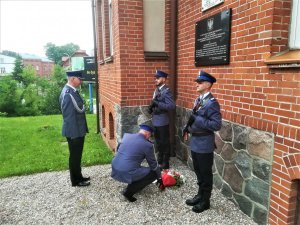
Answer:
(74, 126)
(161, 104)
(126, 165)
(205, 119)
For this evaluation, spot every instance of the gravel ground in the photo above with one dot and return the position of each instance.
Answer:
(48, 198)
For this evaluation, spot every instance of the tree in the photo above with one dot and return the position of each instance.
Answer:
(8, 95)
(50, 104)
(55, 53)
(9, 53)
(18, 69)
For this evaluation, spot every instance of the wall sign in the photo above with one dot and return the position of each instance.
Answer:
(212, 41)
(89, 73)
(207, 4)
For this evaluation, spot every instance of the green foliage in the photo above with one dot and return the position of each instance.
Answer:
(18, 69)
(35, 144)
(55, 53)
(50, 104)
(9, 53)
(8, 95)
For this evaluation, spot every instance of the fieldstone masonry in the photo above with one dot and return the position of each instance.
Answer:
(242, 164)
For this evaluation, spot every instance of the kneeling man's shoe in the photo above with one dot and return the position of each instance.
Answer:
(193, 201)
(128, 196)
(201, 206)
(82, 184)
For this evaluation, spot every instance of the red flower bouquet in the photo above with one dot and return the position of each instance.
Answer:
(172, 178)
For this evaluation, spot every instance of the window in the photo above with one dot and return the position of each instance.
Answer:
(110, 20)
(154, 27)
(2, 70)
(106, 29)
(294, 37)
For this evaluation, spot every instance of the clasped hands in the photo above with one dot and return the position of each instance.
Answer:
(153, 104)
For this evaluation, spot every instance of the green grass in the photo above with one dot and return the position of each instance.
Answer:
(34, 144)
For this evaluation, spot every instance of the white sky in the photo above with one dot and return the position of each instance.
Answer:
(26, 26)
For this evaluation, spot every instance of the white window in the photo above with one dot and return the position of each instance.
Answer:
(110, 28)
(154, 25)
(294, 38)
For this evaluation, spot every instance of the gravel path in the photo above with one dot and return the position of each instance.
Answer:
(48, 198)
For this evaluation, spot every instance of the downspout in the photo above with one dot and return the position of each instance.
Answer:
(173, 72)
(96, 65)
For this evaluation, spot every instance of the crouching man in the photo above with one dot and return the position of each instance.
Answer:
(126, 166)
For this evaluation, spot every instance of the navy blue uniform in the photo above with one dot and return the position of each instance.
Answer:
(126, 165)
(160, 121)
(207, 120)
(74, 129)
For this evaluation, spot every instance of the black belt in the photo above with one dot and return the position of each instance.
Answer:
(200, 134)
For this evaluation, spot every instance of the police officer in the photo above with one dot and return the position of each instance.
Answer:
(126, 165)
(74, 126)
(205, 119)
(162, 102)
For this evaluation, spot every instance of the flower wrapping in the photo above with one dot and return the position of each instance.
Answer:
(172, 178)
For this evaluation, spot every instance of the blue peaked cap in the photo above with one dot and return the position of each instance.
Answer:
(146, 127)
(203, 76)
(160, 73)
(77, 73)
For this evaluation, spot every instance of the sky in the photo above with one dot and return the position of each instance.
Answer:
(26, 26)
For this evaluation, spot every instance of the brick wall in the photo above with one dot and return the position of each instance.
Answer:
(128, 80)
(250, 93)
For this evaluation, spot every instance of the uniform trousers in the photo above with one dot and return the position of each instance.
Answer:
(75, 149)
(203, 163)
(138, 185)
(162, 139)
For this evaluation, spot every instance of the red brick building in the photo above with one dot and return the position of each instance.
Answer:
(257, 160)
(42, 66)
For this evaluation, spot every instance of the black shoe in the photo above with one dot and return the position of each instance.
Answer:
(81, 184)
(85, 178)
(128, 196)
(193, 201)
(201, 206)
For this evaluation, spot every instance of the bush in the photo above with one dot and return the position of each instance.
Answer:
(8, 95)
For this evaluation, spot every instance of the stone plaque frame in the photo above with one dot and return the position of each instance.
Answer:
(212, 41)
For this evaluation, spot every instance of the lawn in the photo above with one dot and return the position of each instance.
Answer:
(34, 144)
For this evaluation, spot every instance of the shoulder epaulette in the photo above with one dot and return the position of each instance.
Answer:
(68, 91)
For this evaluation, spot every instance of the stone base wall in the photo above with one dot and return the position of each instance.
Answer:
(242, 164)
(128, 118)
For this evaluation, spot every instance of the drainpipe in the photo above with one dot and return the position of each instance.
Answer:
(173, 71)
(96, 65)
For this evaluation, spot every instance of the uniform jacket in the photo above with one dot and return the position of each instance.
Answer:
(73, 111)
(126, 165)
(208, 119)
(165, 103)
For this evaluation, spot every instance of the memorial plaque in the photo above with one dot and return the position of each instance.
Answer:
(212, 42)
(89, 69)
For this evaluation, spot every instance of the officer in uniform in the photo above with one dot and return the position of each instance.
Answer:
(126, 165)
(74, 126)
(162, 102)
(205, 119)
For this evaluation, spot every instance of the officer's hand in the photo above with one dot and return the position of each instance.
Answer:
(160, 184)
(185, 130)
